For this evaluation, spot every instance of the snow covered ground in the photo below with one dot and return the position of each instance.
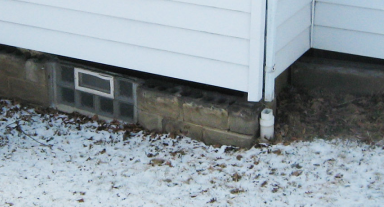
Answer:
(82, 165)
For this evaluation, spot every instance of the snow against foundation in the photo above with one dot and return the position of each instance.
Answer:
(54, 160)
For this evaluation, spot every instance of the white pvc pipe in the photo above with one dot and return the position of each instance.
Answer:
(267, 125)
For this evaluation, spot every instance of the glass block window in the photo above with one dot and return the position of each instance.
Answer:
(67, 95)
(103, 94)
(86, 100)
(66, 74)
(106, 105)
(126, 110)
(125, 89)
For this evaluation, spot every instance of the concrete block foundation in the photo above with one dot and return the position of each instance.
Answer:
(211, 117)
(213, 136)
(338, 76)
(24, 79)
(184, 128)
(150, 121)
(206, 116)
(244, 117)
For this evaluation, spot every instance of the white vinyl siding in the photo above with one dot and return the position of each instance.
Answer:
(288, 37)
(239, 5)
(352, 26)
(293, 32)
(163, 12)
(201, 41)
(173, 39)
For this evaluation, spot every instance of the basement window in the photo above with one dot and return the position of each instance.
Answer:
(95, 83)
(92, 92)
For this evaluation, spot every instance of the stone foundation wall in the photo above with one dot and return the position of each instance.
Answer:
(206, 116)
(24, 79)
(338, 76)
(210, 117)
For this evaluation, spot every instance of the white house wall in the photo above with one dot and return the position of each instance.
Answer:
(201, 41)
(293, 23)
(163, 12)
(288, 38)
(240, 5)
(133, 32)
(350, 26)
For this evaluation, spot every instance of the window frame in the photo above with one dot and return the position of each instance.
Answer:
(109, 78)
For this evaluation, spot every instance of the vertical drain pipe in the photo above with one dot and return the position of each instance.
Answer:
(267, 120)
(270, 53)
(267, 125)
(312, 21)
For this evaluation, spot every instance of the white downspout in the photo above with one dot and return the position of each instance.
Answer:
(269, 87)
(267, 119)
(312, 21)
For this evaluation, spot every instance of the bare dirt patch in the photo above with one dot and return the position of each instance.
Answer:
(304, 115)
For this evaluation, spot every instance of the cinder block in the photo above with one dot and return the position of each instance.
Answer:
(206, 114)
(158, 102)
(35, 71)
(338, 76)
(150, 121)
(187, 129)
(12, 66)
(31, 53)
(221, 137)
(29, 91)
(244, 117)
(4, 87)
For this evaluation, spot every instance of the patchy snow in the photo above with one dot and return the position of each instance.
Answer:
(79, 165)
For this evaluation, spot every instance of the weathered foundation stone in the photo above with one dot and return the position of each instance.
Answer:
(4, 86)
(216, 136)
(12, 66)
(35, 71)
(180, 127)
(29, 91)
(206, 116)
(157, 101)
(150, 121)
(244, 117)
(23, 79)
(338, 76)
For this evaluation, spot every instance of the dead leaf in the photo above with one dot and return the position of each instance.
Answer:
(264, 183)
(236, 191)
(277, 152)
(339, 175)
(157, 161)
(95, 117)
(297, 173)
